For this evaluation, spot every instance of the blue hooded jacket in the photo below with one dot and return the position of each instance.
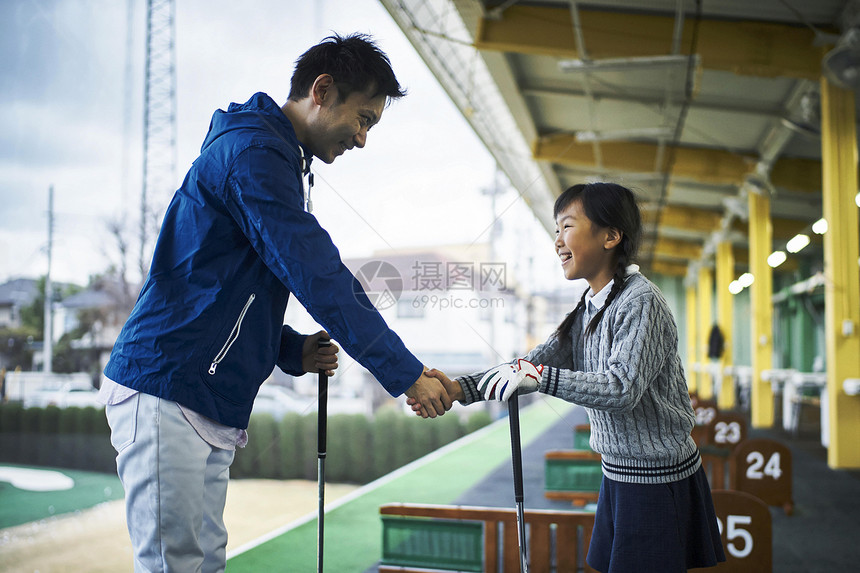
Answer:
(207, 328)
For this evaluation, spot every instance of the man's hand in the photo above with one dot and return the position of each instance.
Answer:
(452, 387)
(455, 391)
(315, 358)
(430, 396)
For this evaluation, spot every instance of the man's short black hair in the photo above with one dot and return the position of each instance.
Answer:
(355, 63)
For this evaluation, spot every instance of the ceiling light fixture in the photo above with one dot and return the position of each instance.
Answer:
(842, 64)
(776, 258)
(797, 243)
(623, 134)
(623, 64)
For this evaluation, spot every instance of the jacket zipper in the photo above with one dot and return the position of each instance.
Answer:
(234, 334)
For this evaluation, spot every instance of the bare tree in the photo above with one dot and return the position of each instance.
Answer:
(119, 259)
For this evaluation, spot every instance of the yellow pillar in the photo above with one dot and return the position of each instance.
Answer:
(761, 294)
(725, 315)
(842, 288)
(692, 340)
(705, 296)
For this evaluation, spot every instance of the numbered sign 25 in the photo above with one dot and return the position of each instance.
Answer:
(746, 532)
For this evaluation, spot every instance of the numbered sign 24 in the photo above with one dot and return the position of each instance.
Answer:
(763, 469)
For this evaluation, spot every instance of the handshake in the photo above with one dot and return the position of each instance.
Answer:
(434, 393)
(499, 383)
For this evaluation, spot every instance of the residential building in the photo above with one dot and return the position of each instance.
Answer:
(456, 309)
(15, 295)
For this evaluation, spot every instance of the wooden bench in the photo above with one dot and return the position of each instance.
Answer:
(572, 475)
(582, 437)
(720, 437)
(419, 538)
(706, 411)
(717, 463)
(803, 390)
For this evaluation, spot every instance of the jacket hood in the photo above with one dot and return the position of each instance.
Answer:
(259, 112)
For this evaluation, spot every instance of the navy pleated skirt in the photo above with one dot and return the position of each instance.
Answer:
(655, 528)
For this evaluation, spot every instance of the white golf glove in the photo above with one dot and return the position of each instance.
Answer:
(501, 382)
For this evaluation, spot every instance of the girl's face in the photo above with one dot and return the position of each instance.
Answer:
(585, 249)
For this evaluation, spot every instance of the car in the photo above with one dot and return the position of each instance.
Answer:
(278, 401)
(68, 395)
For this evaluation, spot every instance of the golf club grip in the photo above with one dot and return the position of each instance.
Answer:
(322, 409)
(516, 449)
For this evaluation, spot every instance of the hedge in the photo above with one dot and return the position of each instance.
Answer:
(360, 449)
(72, 438)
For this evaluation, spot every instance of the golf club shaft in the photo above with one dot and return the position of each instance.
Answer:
(321, 513)
(322, 423)
(517, 459)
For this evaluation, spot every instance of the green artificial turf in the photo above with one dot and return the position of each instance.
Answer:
(353, 531)
(18, 506)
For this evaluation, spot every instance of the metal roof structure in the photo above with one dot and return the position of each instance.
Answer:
(563, 92)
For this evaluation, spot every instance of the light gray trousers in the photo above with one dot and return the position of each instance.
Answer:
(175, 487)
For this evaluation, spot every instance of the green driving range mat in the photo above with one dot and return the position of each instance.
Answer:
(353, 530)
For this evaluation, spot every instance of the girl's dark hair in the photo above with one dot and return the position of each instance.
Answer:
(606, 205)
(355, 63)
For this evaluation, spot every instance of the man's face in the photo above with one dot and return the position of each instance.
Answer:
(340, 125)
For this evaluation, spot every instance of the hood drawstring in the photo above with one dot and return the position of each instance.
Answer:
(306, 170)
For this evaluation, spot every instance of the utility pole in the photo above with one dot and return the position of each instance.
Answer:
(495, 230)
(48, 335)
(128, 81)
(159, 119)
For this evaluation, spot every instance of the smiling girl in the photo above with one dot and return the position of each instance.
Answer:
(617, 356)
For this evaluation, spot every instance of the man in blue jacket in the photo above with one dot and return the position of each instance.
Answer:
(208, 328)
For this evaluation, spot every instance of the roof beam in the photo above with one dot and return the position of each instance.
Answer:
(705, 165)
(677, 249)
(745, 48)
(706, 222)
(675, 254)
(669, 268)
(797, 174)
(652, 101)
(783, 229)
(679, 269)
(686, 218)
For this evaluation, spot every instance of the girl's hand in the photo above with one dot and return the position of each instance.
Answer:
(501, 382)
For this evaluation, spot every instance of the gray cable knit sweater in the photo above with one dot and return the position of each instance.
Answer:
(629, 378)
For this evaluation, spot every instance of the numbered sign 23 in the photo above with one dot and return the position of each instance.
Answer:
(763, 469)
(727, 430)
(746, 532)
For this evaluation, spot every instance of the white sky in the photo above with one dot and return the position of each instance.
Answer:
(62, 83)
